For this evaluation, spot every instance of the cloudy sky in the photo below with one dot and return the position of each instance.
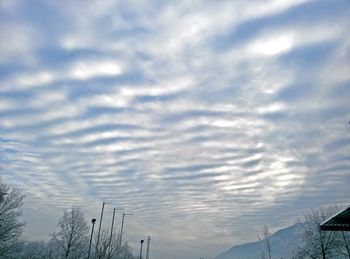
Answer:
(205, 119)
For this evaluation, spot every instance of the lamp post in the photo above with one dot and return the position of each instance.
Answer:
(99, 228)
(110, 237)
(141, 249)
(147, 251)
(92, 232)
(122, 227)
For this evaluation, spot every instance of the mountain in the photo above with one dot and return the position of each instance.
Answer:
(283, 241)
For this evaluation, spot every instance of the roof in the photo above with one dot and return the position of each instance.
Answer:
(338, 222)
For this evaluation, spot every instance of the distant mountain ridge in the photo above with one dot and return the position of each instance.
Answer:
(283, 243)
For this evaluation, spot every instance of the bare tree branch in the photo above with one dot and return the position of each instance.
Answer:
(317, 243)
(11, 201)
(72, 238)
(266, 241)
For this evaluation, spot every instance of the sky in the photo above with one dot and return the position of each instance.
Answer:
(204, 119)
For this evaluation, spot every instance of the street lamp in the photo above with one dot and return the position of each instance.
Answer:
(92, 232)
(99, 228)
(141, 249)
(122, 227)
(147, 251)
(110, 237)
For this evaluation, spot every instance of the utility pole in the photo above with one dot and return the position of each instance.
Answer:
(122, 228)
(110, 237)
(99, 228)
(121, 234)
(147, 251)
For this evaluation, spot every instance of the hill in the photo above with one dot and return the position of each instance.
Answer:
(283, 241)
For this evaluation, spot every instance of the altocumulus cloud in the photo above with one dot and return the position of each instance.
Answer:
(204, 119)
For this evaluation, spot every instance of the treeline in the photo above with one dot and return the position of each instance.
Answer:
(71, 240)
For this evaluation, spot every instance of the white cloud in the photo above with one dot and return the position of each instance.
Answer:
(18, 42)
(34, 80)
(273, 45)
(274, 107)
(84, 70)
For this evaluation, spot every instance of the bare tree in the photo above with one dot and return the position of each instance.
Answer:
(53, 249)
(126, 252)
(109, 246)
(72, 238)
(344, 244)
(34, 250)
(265, 241)
(11, 201)
(317, 243)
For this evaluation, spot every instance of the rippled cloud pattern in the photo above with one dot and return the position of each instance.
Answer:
(205, 119)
